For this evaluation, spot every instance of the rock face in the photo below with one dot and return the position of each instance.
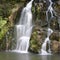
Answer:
(55, 47)
(8, 12)
(56, 7)
(40, 22)
(55, 42)
(37, 38)
(39, 13)
(13, 14)
(55, 36)
(54, 24)
(39, 9)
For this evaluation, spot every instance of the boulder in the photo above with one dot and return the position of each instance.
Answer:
(54, 36)
(55, 42)
(54, 46)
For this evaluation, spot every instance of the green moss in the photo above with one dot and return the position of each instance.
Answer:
(2, 22)
(3, 32)
(3, 27)
(34, 44)
(33, 9)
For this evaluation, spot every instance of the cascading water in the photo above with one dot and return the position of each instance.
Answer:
(24, 29)
(47, 40)
(50, 9)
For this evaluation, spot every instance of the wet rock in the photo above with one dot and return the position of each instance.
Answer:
(54, 23)
(15, 13)
(56, 7)
(55, 0)
(37, 1)
(39, 13)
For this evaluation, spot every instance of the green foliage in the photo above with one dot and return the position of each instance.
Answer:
(6, 30)
(2, 22)
(34, 44)
(3, 32)
(5, 1)
(33, 9)
(5, 10)
(6, 7)
(3, 28)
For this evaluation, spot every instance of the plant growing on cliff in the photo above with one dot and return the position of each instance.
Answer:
(3, 28)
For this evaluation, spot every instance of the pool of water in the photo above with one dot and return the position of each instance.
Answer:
(28, 56)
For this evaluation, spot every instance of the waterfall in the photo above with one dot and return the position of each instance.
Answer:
(24, 29)
(50, 8)
(47, 40)
(49, 32)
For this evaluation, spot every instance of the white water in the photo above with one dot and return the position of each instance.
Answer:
(24, 29)
(50, 9)
(47, 40)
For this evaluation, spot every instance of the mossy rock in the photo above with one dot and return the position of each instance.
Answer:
(37, 38)
(56, 7)
(54, 23)
(54, 36)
